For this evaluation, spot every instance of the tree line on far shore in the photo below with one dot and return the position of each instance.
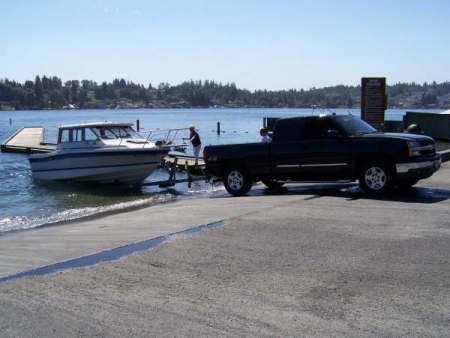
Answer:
(52, 93)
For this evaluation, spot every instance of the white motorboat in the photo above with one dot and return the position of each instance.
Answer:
(105, 152)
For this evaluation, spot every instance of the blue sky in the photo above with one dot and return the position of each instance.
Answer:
(256, 44)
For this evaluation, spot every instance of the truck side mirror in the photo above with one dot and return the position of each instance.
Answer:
(332, 133)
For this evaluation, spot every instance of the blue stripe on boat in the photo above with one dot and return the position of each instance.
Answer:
(98, 167)
(99, 153)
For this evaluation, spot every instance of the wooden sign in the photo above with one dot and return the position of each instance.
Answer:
(373, 101)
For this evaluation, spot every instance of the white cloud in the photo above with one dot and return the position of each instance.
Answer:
(111, 11)
(136, 12)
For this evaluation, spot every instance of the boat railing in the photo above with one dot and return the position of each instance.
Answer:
(165, 137)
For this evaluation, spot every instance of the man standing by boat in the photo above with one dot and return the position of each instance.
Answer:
(196, 143)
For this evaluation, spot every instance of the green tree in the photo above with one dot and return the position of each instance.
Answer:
(428, 99)
(56, 98)
(82, 97)
(29, 84)
(39, 92)
(74, 86)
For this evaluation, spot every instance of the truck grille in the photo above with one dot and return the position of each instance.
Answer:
(427, 147)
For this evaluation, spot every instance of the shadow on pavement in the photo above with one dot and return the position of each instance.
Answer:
(352, 191)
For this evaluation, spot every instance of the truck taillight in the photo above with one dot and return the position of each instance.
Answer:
(204, 155)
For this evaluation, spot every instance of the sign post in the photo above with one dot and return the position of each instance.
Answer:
(373, 101)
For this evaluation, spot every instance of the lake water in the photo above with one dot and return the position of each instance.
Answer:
(26, 203)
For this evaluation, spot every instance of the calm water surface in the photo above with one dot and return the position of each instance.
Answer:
(26, 203)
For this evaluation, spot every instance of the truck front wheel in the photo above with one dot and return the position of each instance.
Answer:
(376, 177)
(237, 181)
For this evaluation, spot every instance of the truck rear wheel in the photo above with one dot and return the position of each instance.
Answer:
(237, 181)
(376, 177)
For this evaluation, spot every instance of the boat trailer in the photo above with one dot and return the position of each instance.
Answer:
(172, 167)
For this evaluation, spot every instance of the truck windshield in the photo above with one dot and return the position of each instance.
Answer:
(353, 126)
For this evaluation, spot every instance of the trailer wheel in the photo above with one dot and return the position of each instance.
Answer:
(237, 181)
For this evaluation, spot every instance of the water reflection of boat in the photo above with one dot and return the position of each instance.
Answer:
(105, 152)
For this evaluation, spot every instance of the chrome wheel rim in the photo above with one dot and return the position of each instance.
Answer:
(235, 180)
(375, 178)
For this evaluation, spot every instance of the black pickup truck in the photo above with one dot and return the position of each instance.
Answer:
(325, 148)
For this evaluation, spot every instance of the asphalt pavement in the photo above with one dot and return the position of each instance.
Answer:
(307, 260)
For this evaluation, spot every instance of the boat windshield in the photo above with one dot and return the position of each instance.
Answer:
(111, 133)
(353, 126)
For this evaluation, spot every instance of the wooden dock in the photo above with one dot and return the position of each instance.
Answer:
(29, 140)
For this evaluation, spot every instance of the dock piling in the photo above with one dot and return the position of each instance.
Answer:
(188, 173)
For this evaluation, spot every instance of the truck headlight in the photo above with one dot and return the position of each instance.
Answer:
(414, 148)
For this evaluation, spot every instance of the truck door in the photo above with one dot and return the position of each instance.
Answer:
(287, 148)
(307, 152)
(325, 156)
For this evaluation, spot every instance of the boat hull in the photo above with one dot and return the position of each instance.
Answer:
(128, 166)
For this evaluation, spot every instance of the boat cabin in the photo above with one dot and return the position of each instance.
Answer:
(96, 131)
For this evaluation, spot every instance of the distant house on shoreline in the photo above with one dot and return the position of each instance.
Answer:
(95, 105)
